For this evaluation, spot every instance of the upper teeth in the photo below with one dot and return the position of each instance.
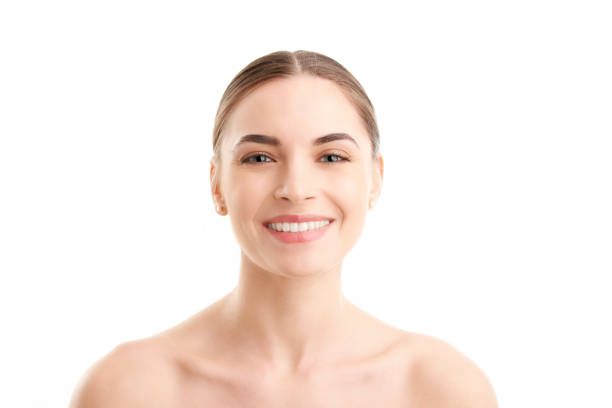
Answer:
(297, 226)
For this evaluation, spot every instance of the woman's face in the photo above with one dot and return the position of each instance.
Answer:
(296, 176)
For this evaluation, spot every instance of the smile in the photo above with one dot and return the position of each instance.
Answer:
(297, 226)
(294, 232)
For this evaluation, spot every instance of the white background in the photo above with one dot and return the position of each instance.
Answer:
(493, 231)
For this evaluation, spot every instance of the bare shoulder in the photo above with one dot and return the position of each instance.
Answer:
(134, 374)
(441, 376)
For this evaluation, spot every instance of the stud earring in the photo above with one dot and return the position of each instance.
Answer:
(372, 204)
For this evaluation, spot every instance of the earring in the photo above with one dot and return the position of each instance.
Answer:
(220, 208)
(372, 204)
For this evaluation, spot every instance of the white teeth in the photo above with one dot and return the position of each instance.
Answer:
(297, 226)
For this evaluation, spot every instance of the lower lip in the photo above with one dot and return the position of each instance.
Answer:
(295, 237)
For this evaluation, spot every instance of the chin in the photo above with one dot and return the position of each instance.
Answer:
(302, 268)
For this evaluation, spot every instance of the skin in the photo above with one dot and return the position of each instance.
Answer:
(286, 335)
(289, 295)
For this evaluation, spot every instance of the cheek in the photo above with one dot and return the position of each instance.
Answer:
(247, 190)
(350, 192)
(245, 194)
(351, 184)
(244, 188)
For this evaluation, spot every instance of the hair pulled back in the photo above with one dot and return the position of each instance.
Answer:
(284, 64)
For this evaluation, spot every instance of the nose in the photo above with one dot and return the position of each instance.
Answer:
(297, 182)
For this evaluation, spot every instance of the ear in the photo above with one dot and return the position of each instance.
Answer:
(378, 171)
(215, 188)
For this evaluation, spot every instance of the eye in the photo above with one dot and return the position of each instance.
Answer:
(261, 158)
(338, 158)
(255, 156)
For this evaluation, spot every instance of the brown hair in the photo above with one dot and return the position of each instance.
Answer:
(283, 64)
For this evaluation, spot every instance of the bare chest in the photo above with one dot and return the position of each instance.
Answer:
(377, 378)
(359, 389)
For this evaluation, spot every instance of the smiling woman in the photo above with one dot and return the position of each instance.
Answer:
(296, 166)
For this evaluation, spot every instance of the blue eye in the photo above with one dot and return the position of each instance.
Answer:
(248, 159)
(253, 159)
(339, 158)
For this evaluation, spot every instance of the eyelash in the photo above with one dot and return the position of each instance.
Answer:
(245, 160)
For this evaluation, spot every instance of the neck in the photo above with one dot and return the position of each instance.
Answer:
(290, 321)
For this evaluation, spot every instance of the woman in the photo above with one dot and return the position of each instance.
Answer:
(296, 166)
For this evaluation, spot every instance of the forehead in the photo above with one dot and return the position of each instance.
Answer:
(299, 108)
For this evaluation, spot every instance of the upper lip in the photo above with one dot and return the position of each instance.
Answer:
(297, 218)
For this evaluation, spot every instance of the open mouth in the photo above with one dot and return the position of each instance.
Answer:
(298, 227)
(298, 232)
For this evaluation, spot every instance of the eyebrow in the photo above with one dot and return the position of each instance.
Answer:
(273, 141)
